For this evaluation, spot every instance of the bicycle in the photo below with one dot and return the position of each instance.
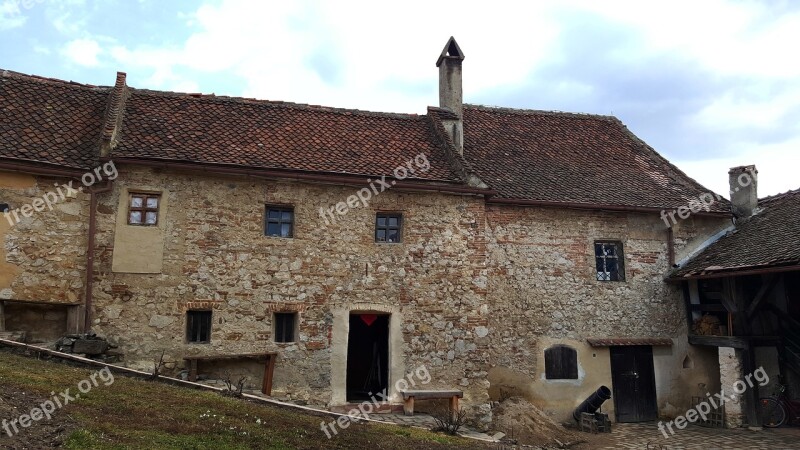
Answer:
(779, 409)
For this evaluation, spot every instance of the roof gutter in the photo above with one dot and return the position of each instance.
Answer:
(595, 206)
(37, 169)
(302, 176)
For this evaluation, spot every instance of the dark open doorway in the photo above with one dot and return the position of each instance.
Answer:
(367, 356)
(634, 383)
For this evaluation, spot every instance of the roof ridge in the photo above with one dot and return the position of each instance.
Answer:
(526, 111)
(5, 73)
(276, 103)
(779, 196)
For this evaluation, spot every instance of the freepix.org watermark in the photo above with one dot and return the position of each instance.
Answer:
(363, 196)
(46, 409)
(420, 374)
(703, 202)
(702, 410)
(107, 171)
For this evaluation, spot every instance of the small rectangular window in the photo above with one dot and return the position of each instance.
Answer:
(609, 261)
(388, 227)
(198, 327)
(143, 209)
(3, 207)
(561, 363)
(279, 222)
(285, 327)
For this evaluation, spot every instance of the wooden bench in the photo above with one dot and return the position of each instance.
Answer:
(269, 366)
(409, 396)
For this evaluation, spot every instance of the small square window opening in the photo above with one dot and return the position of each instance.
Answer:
(143, 209)
(388, 227)
(609, 261)
(279, 222)
(198, 327)
(285, 325)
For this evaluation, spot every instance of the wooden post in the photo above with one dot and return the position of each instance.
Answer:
(269, 368)
(454, 407)
(742, 322)
(2, 317)
(192, 370)
(408, 406)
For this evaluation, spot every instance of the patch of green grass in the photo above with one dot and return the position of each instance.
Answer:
(131, 413)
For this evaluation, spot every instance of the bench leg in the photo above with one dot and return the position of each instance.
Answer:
(193, 370)
(408, 406)
(454, 407)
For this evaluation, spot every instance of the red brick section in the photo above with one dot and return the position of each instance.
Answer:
(276, 135)
(577, 158)
(50, 121)
(767, 240)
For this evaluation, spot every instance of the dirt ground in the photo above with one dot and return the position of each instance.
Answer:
(41, 434)
(522, 421)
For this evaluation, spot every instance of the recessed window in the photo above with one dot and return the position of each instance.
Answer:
(279, 221)
(198, 327)
(143, 209)
(3, 207)
(285, 325)
(388, 227)
(609, 261)
(561, 363)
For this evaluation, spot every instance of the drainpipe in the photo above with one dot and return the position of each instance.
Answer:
(90, 252)
(671, 246)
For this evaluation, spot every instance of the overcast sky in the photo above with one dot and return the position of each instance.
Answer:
(709, 84)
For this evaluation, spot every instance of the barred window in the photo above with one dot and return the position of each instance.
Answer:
(610, 262)
(198, 327)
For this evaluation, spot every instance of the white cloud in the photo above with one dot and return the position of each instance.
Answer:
(10, 15)
(83, 52)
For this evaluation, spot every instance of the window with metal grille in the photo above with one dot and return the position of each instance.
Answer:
(198, 327)
(143, 209)
(561, 363)
(285, 327)
(388, 227)
(279, 221)
(609, 261)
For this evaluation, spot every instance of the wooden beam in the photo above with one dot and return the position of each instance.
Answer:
(719, 341)
(269, 369)
(763, 293)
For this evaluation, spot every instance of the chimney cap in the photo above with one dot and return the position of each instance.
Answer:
(451, 51)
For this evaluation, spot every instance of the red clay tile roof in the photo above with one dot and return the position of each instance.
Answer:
(768, 239)
(613, 342)
(276, 135)
(573, 158)
(50, 121)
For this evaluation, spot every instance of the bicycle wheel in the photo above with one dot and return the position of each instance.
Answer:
(773, 414)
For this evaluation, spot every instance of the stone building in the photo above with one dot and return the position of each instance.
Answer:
(505, 251)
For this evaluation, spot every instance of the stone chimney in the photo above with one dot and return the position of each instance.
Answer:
(450, 93)
(744, 195)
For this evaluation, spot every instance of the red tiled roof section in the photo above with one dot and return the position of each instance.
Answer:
(572, 158)
(276, 135)
(768, 239)
(50, 121)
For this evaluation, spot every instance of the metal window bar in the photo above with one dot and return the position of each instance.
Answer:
(609, 261)
(198, 326)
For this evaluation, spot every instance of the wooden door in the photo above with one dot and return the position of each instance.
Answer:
(634, 383)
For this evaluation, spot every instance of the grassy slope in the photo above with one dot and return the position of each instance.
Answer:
(139, 414)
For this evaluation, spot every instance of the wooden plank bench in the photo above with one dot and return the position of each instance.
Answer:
(269, 366)
(409, 396)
